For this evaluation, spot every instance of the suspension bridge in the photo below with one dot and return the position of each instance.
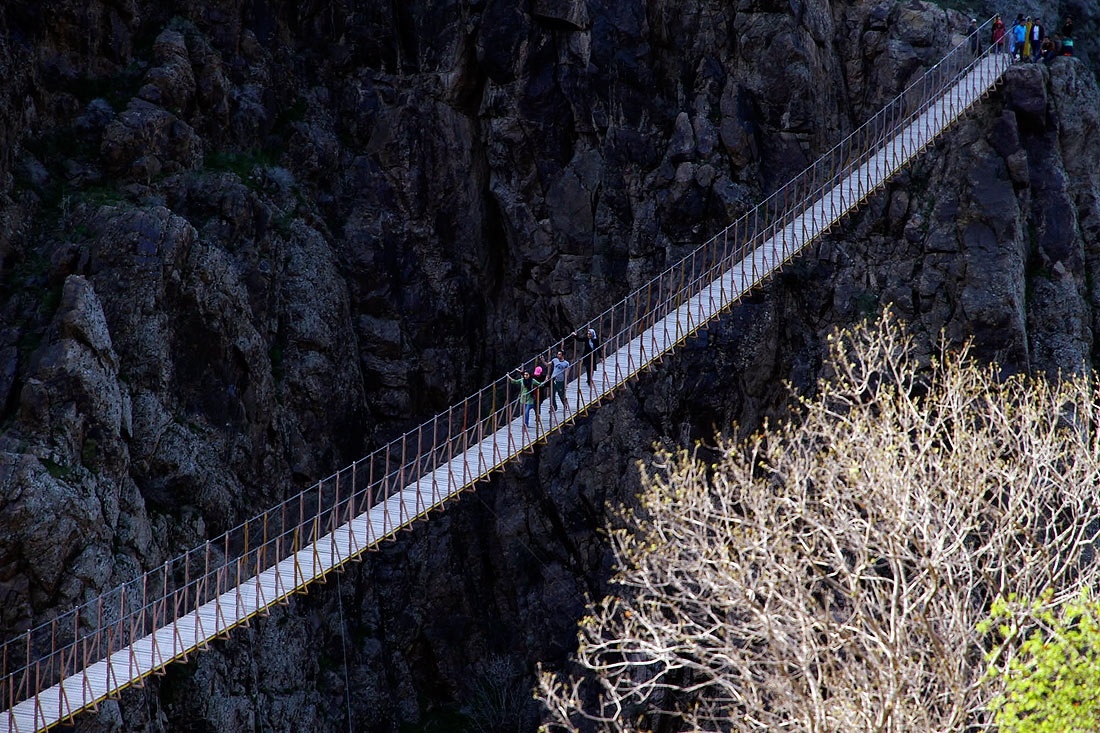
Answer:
(55, 671)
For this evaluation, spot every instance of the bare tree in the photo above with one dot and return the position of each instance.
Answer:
(830, 574)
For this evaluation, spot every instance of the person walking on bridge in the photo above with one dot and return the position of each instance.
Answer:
(589, 343)
(542, 372)
(559, 370)
(527, 388)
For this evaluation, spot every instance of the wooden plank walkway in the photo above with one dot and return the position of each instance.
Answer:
(194, 630)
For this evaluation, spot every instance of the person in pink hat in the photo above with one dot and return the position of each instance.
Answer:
(541, 374)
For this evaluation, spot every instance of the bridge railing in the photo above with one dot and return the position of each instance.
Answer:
(62, 647)
(774, 218)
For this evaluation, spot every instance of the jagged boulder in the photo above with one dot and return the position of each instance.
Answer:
(72, 393)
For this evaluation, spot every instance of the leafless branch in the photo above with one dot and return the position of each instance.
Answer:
(829, 574)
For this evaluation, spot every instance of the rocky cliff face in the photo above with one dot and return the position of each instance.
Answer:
(245, 242)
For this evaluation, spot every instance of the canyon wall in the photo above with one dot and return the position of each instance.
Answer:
(246, 242)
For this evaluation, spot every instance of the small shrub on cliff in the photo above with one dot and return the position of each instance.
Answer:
(832, 574)
(1048, 662)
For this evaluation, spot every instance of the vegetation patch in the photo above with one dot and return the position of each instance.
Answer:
(439, 721)
(242, 165)
(89, 453)
(55, 469)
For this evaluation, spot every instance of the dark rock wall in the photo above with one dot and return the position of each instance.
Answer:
(245, 242)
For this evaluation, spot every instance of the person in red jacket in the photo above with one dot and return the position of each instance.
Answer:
(998, 34)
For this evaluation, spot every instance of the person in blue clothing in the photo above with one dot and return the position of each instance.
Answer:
(559, 370)
(1019, 36)
(527, 389)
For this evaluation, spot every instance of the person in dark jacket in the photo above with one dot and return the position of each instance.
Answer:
(1048, 50)
(589, 343)
(1038, 35)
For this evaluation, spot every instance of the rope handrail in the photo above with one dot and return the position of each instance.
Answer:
(229, 566)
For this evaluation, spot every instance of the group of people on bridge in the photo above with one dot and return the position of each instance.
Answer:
(1028, 39)
(556, 372)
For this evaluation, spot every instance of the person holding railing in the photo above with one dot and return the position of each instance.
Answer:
(589, 343)
(527, 388)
